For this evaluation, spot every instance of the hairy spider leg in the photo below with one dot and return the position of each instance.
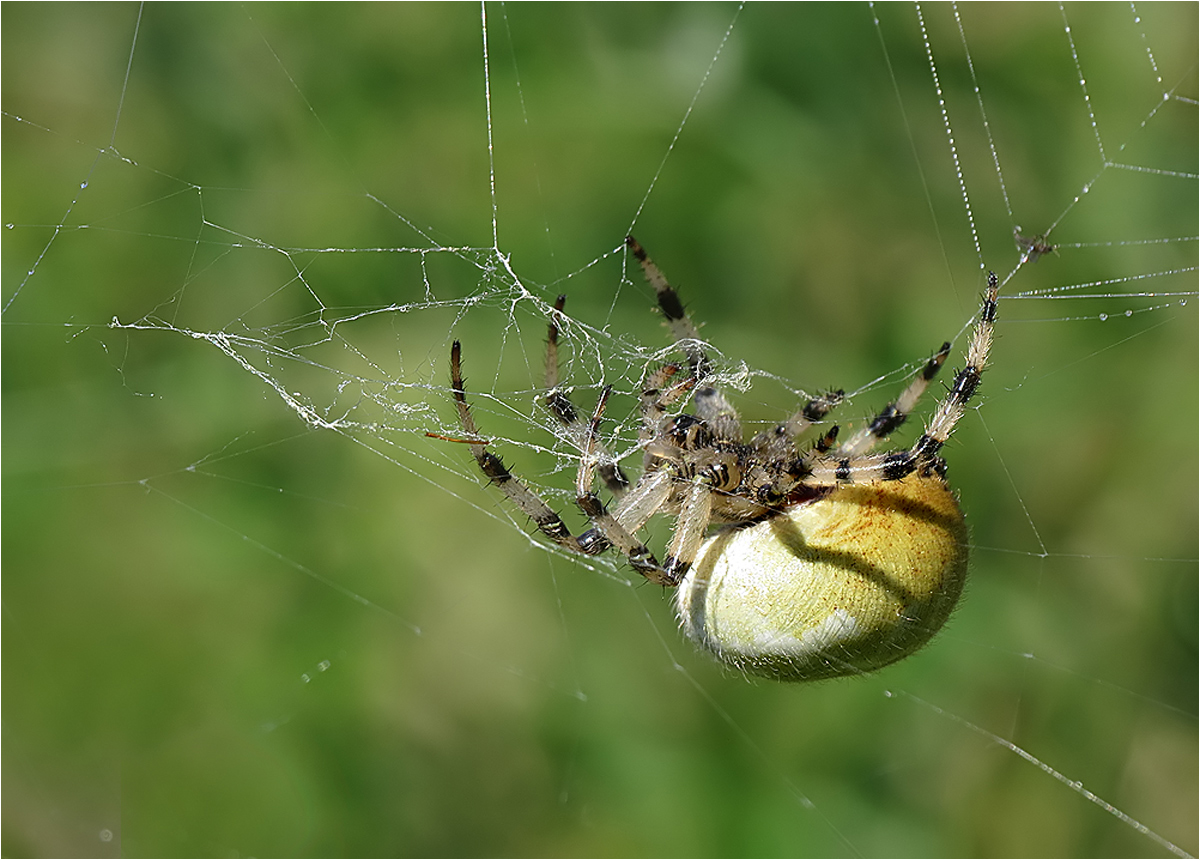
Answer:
(653, 488)
(923, 456)
(773, 444)
(895, 413)
(559, 403)
(690, 528)
(607, 529)
(778, 443)
(656, 397)
(548, 522)
(967, 380)
(683, 330)
(711, 406)
(556, 400)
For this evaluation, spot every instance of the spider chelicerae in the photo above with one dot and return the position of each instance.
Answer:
(826, 559)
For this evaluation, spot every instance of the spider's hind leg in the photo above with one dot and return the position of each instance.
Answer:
(895, 413)
(547, 521)
(775, 443)
(923, 457)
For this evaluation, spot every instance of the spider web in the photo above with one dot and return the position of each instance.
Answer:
(252, 606)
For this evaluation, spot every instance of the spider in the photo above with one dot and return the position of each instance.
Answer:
(824, 559)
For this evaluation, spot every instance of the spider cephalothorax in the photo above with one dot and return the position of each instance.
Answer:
(828, 559)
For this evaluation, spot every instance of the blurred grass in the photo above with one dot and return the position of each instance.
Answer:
(183, 666)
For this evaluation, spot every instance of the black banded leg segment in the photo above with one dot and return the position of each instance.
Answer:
(530, 503)
(775, 444)
(656, 397)
(966, 381)
(895, 413)
(563, 409)
(694, 515)
(778, 446)
(606, 528)
(607, 531)
(556, 401)
(682, 328)
(923, 457)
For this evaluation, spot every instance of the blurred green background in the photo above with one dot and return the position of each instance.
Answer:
(225, 633)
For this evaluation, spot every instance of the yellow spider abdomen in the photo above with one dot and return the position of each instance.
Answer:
(841, 585)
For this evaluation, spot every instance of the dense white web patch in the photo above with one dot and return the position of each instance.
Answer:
(307, 214)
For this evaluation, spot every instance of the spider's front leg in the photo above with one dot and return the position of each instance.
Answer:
(607, 531)
(548, 522)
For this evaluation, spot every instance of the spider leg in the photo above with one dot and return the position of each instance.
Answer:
(718, 413)
(607, 532)
(646, 497)
(556, 400)
(896, 412)
(778, 465)
(682, 328)
(967, 380)
(775, 443)
(607, 528)
(560, 405)
(548, 522)
(694, 515)
(923, 456)
(656, 398)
